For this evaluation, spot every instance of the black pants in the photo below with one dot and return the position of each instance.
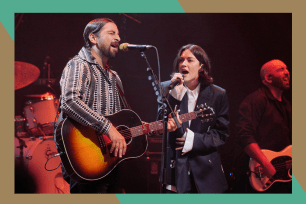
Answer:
(193, 187)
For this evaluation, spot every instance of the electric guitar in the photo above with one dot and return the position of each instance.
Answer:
(85, 154)
(282, 162)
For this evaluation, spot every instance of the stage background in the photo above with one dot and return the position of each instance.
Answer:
(238, 44)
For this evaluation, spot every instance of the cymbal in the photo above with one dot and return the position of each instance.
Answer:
(25, 74)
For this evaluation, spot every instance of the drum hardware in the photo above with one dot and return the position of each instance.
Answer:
(45, 96)
(20, 127)
(21, 146)
(40, 158)
(54, 155)
(28, 157)
(45, 81)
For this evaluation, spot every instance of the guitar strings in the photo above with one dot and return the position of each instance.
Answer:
(282, 166)
(127, 133)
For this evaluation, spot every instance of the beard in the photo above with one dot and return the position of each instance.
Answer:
(107, 52)
(279, 83)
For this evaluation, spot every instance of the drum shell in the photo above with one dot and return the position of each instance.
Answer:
(34, 157)
(40, 116)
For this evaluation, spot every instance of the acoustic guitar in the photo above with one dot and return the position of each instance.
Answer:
(85, 153)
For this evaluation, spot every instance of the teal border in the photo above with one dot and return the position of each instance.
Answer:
(7, 10)
(297, 196)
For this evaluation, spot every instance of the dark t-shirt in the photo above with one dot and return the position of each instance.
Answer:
(264, 120)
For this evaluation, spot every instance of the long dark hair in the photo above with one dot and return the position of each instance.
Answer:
(94, 27)
(205, 77)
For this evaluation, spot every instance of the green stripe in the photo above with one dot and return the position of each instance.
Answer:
(8, 8)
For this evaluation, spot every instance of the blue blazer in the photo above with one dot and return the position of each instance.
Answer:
(203, 160)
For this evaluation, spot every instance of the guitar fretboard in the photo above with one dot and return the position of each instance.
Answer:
(158, 125)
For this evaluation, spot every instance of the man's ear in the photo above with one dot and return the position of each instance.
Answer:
(92, 38)
(268, 78)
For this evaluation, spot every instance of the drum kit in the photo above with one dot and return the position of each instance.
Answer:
(34, 145)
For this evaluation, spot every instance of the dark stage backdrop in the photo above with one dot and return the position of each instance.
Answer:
(237, 44)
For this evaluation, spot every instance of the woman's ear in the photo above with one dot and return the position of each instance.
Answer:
(201, 68)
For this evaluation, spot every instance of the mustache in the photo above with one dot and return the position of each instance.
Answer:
(115, 44)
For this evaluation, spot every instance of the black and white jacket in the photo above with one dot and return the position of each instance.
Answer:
(88, 92)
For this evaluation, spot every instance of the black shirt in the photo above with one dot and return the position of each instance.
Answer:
(264, 120)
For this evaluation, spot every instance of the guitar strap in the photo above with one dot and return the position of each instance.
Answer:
(119, 86)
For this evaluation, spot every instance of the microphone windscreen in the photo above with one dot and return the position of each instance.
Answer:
(124, 47)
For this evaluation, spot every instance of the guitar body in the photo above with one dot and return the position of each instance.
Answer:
(282, 162)
(85, 158)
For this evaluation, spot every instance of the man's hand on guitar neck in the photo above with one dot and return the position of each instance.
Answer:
(118, 142)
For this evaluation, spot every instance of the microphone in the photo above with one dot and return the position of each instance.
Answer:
(174, 83)
(126, 47)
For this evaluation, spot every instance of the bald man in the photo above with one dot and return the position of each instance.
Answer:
(264, 122)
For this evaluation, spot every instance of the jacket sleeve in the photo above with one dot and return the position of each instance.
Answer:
(206, 142)
(75, 83)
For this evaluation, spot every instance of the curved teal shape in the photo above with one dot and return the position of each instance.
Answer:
(8, 8)
(297, 196)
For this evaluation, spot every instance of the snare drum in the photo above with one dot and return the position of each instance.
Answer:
(40, 116)
(35, 157)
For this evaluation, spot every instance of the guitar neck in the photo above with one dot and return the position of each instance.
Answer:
(158, 125)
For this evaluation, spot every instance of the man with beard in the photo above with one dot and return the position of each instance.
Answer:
(90, 90)
(264, 122)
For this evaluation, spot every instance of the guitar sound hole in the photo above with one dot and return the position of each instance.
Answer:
(125, 132)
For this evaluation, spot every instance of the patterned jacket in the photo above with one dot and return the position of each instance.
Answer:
(88, 92)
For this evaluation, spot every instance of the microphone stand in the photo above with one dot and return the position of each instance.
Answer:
(159, 93)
